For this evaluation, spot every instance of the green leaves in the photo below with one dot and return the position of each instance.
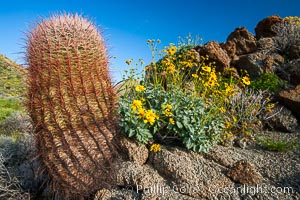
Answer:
(198, 127)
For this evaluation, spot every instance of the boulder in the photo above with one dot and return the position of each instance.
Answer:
(292, 71)
(133, 150)
(244, 41)
(190, 173)
(291, 99)
(230, 48)
(264, 27)
(253, 63)
(294, 52)
(266, 44)
(215, 54)
(282, 120)
(245, 173)
(257, 63)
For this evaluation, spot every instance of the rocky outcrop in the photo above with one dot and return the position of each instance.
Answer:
(245, 173)
(282, 119)
(264, 27)
(134, 151)
(291, 99)
(215, 54)
(244, 41)
(292, 71)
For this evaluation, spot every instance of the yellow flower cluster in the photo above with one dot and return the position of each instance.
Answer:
(171, 50)
(167, 112)
(170, 67)
(148, 116)
(140, 88)
(136, 104)
(293, 19)
(212, 77)
(155, 148)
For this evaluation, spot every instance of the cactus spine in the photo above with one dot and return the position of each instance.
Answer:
(71, 103)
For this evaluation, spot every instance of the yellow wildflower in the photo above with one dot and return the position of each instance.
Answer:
(222, 109)
(140, 88)
(171, 121)
(171, 68)
(155, 148)
(244, 124)
(228, 135)
(246, 80)
(227, 124)
(206, 68)
(150, 117)
(195, 75)
(136, 104)
(167, 112)
(169, 106)
(270, 105)
(142, 113)
(172, 50)
(213, 76)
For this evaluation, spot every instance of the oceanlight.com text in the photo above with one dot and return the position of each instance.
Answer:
(161, 189)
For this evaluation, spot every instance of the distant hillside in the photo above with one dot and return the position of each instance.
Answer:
(11, 78)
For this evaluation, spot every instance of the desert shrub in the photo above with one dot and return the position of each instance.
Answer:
(287, 33)
(9, 185)
(184, 96)
(170, 115)
(17, 122)
(267, 81)
(14, 151)
(246, 110)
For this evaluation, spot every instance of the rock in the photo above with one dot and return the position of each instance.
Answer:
(245, 173)
(253, 63)
(291, 99)
(190, 173)
(284, 120)
(124, 194)
(294, 52)
(137, 176)
(266, 44)
(215, 54)
(292, 71)
(264, 27)
(257, 63)
(134, 151)
(230, 48)
(244, 41)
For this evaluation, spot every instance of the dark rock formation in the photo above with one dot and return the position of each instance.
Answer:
(245, 173)
(264, 27)
(215, 54)
(244, 41)
(291, 99)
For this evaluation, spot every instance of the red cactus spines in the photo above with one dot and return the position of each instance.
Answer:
(71, 103)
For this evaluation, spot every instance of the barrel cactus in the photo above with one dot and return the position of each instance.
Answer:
(71, 103)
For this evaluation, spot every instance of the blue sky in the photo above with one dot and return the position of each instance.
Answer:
(127, 24)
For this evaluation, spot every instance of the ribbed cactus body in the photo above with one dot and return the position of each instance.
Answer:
(71, 103)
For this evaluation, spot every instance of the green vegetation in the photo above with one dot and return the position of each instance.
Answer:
(268, 81)
(182, 96)
(281, 145)
(8, 107)
(11, 78)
